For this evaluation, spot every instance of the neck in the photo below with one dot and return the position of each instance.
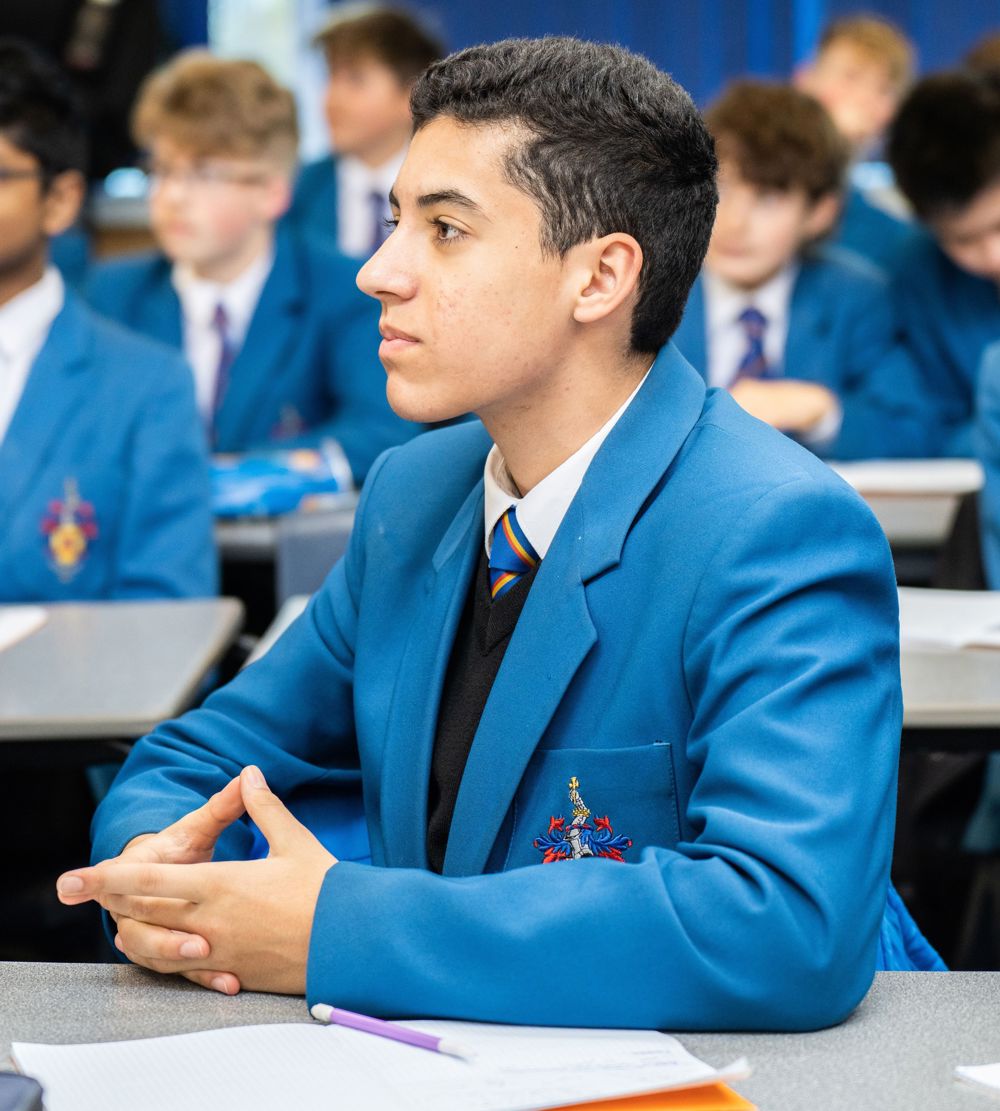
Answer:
(22, 277)
(544, 428)
(231, 266)
(383, 151)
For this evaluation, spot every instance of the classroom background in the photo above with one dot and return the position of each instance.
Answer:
(270, 559)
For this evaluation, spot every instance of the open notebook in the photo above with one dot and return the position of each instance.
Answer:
(515, 1068)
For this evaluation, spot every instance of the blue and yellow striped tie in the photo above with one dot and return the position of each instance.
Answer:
(511, 555)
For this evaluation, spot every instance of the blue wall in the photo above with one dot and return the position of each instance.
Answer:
(702, 43)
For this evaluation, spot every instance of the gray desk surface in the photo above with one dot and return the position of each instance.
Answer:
(242, 539)
(951, 688)
(895, 1053)
(111, 670)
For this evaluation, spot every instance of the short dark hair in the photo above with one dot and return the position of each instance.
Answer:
(614, 145)
(39, 111)
(390, 35)
(944, 145)
(779, 138)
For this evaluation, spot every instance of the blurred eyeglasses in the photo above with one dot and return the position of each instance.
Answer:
(9, 173)
(201, 175)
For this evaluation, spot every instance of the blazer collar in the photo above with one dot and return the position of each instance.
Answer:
(52, 395)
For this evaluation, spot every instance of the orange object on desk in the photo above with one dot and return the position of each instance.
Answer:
(702, 1097)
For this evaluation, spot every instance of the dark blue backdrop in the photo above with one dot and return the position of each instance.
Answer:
(701, 42)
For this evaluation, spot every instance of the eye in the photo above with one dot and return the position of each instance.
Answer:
(447, 233)
(391, 222)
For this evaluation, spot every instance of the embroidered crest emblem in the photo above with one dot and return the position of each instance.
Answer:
(579, 839)
(68, 527)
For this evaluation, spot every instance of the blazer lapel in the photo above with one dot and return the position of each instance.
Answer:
(809, 325)
(412, 719)
(555, 632)
(52, 395)
(158, 308)
(261, 359)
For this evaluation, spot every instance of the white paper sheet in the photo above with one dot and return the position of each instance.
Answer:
(18, 622)
(913, 477)
(516, 1068)
(949, 618)
(984, 1077)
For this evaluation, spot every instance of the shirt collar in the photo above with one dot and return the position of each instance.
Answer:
(26, 318)
(540, 512)
(199, 296)
(724, 302)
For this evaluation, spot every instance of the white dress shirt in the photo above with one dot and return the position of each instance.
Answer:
(727, 339)
(202, 342)
(355, 184)
(24, 327)
(540, 512)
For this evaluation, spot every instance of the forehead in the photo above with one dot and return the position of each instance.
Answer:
(468, 158)
(980, 216)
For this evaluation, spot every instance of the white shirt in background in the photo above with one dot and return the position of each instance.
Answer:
(25, 322)
(540, 512)
(727, 339)
(355, 184)
(202, 342)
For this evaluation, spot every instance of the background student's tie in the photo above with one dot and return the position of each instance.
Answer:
(511, 554)
(754, 362)
(227, 353)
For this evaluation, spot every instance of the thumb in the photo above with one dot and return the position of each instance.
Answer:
(282, 830)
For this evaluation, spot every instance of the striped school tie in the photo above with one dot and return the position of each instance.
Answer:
(511, 554)
(754, 363)
(227, 354)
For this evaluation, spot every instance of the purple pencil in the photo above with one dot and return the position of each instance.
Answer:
(323, 1012)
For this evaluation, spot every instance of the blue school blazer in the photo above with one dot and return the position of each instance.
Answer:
(708, 659)
(987, 443)
(308, 369)
(103, 476)
(314, 204)
(842, 334)
(870, 231)
(949, 318)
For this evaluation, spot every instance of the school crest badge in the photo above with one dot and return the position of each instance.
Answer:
(68, 526)
(579, 839)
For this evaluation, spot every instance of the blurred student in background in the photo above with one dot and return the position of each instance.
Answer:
(373, 56)
(103, 476)
(945, 152)
(282, 344)
(862, 70)
(801, 334)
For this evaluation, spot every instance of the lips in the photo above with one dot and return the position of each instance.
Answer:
(395, 334)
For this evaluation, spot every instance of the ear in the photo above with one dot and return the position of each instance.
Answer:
(609, 270)
(823, 215)
(62, 202)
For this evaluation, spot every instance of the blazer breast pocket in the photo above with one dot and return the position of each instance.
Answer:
(577, 804)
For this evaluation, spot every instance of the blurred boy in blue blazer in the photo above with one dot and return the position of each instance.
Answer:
(373, 56)
(945, 151)
(277, 333)
(802, 335)
(861, 71)
(103, 475)
(617, 667)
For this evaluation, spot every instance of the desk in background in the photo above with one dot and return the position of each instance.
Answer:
(895, 1053)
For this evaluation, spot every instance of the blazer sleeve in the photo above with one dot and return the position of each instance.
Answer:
(768, 917)
(260, 717)
(165, 547)
(987, 443)
(887, 411)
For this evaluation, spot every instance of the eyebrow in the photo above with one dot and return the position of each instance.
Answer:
(443, 196)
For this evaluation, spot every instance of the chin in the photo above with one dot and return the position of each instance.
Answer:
(412, 402)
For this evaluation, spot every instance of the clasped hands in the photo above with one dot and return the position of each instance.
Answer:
(788, 404)
(223, 925)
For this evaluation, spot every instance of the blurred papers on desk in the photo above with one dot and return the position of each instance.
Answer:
(912, 477)
(18, 622)
(267, 484)
(515, 1068)
(984, 1077)
(949, 618)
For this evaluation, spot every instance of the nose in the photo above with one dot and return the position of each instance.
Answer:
(390, 271)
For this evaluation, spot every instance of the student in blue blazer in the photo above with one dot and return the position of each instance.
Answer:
(803, 335)
(103, 476)
(868, 230)
(274, 327)
(618, 672)
(945, 152)
(373, 57)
